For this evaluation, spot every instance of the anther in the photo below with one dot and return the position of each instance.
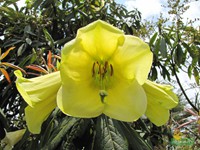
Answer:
(111, 70)
(93, 69)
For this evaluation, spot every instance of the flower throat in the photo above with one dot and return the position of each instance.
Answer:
(101, 72)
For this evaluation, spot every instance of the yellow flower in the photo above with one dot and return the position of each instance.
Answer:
(102, 71)
(40, 94)
(160, 99)
(177, 135)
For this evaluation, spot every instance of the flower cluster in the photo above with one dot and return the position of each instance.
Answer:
(102, 71)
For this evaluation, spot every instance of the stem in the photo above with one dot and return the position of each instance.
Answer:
(180, 85)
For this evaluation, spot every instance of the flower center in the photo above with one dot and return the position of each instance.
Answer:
(102, 73)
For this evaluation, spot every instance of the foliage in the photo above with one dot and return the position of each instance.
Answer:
(38, 32)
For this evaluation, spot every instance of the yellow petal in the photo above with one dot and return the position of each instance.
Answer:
(78, 96)
(160, 99)
(38, 89)
(36, 115)
(125, 101)
(134, 59)
(161, 94)
(40, 93)
(156, 113)
(79, 99)
(75, 63)
(100, 39)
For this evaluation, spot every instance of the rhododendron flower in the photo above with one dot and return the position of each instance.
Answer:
(160, 99)
(40, 94)
(102, 71)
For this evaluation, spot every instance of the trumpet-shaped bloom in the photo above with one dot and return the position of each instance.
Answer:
(160, 99)
(102, 71)
(40, 94)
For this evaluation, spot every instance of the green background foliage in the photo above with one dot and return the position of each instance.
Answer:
(46, 25)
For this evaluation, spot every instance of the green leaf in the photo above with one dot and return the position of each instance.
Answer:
(136, 142)
(21, 49)
(163, 48)
(152, 40)
(37, 3)
(190, 68)
(154, 74)
(27, 29)
(179, 55)
(60, 132)
(196, 75)
(108, 136)
(28, 41)
(48, 37)
(157, 47)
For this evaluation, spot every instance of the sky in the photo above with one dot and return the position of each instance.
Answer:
(151, 9)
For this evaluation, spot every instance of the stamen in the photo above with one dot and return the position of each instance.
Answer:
(111, 70)
(93, 69)
(105, 67)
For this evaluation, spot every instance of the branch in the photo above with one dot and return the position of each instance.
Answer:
(180, 85)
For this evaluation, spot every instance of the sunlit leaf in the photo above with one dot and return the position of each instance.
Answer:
(37, 68)
(49, 57)
(6, 53)
(28, 41)
(5, 73)
(13, 66)
(48, 37)
(190, 68)
(196, 75)
(152, 40)
(21, 49)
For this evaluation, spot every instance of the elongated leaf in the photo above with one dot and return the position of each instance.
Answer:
(21, 49)
(190, 68)
(179, 55)
(5, 73)
(13, 66)
(136, 142)
(108, 135)
(49, 57)
(60, 132)
(48, 37)
(152, 40)
(37, 3)
(6, 53)
(37, 68)
(157, 47)
(196, 75)
(163, 48)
